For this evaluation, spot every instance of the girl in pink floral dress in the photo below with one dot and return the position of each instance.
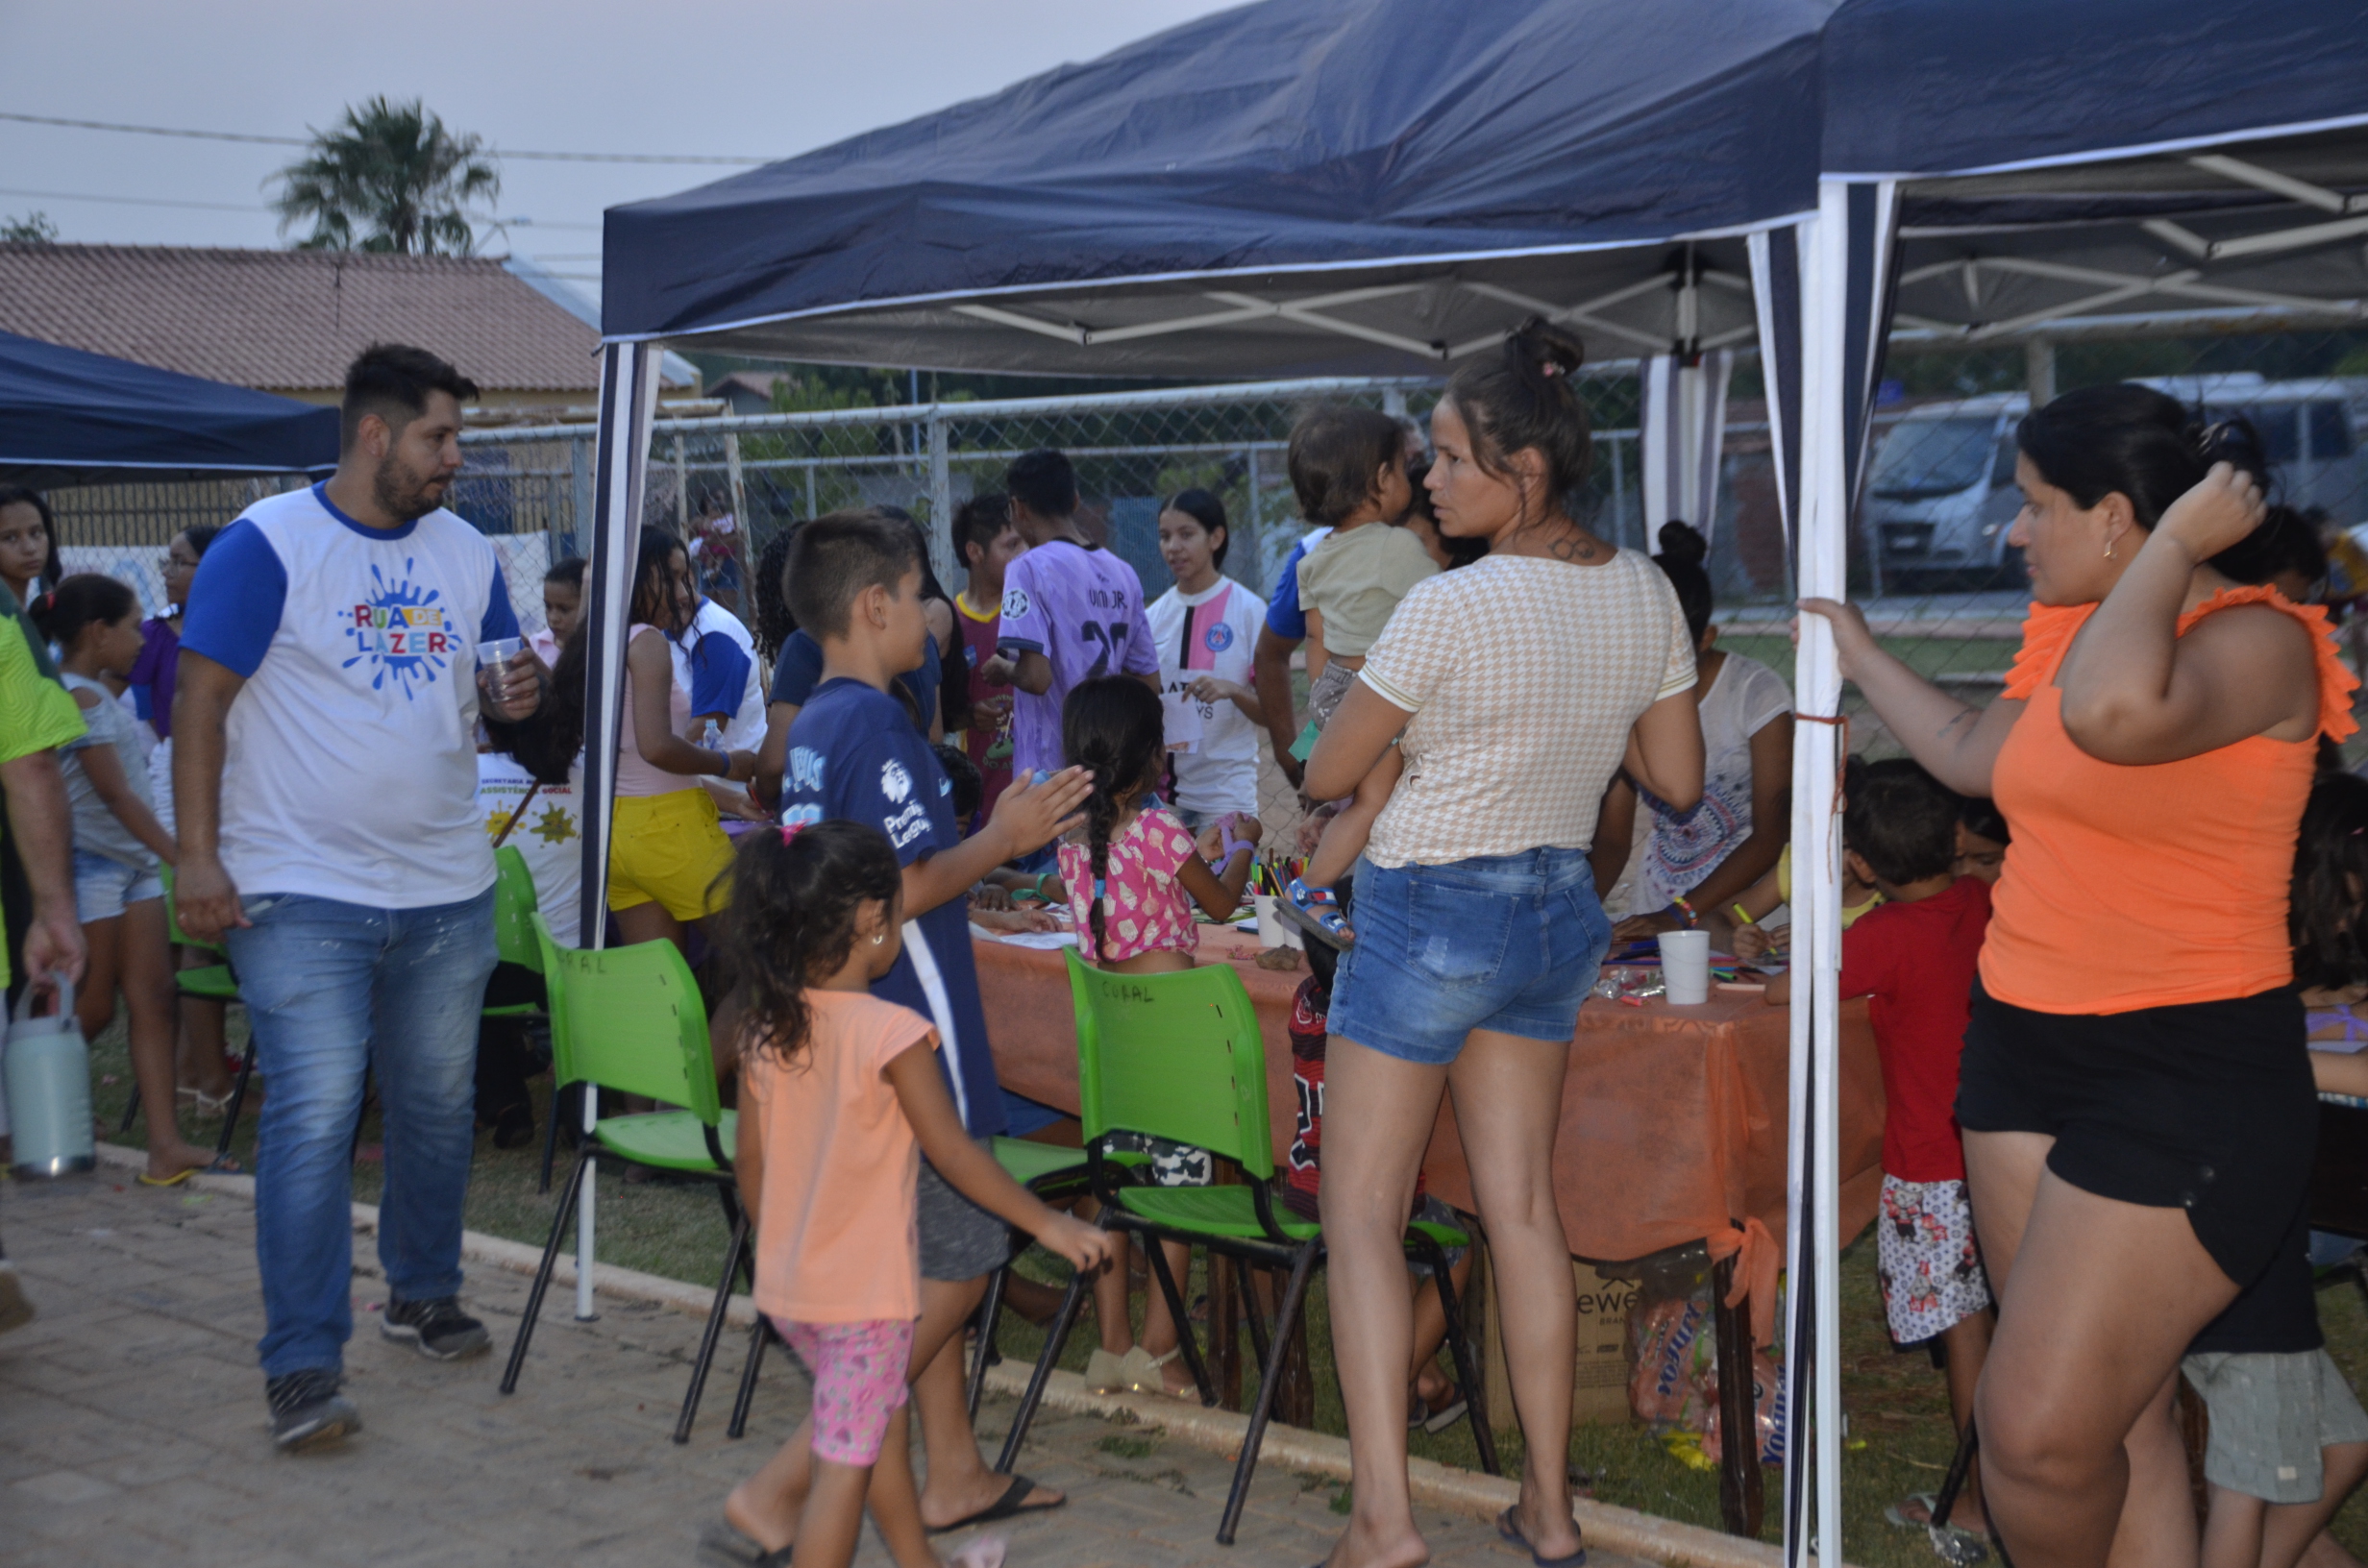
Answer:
(1134, 873)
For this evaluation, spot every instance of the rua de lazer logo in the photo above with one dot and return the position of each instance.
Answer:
(400, 630)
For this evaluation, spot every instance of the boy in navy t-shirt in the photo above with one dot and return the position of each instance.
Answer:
(854, 583)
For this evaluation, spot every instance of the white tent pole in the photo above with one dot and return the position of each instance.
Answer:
(628, 405)
(1816, 861)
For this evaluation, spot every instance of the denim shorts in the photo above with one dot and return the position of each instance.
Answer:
(1506, 942)
(104, 886)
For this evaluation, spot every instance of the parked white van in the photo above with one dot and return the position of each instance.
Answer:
(1940, 492)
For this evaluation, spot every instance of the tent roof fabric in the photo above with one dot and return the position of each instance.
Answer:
(67, 416)
(292, 321)
(1279, 137)
(1911, 87)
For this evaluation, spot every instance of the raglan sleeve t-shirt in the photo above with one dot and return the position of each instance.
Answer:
(854, 754)
(351, 757)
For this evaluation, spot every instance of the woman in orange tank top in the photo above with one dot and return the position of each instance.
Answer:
(2136, 1096)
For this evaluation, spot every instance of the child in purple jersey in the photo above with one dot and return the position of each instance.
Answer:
(1071, 611)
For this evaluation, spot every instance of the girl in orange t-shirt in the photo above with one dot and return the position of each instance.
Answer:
(840, 1093)
(2135, 1097)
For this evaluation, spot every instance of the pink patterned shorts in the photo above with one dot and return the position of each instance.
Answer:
(858, 1373)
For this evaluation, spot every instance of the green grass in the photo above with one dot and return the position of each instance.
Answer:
(1900, 1436)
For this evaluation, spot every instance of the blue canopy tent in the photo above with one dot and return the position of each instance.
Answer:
(1327, 186)
(68, 417)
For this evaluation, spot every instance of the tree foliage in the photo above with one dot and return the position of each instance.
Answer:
(389, 177)
(33, 229)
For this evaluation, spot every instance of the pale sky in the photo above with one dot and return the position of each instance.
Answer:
(714, 77)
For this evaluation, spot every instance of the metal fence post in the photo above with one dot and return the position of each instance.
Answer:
(940, 496)
(579, 498)
(682, 489)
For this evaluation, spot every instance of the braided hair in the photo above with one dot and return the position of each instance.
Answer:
(1114, 729)
(791, 922)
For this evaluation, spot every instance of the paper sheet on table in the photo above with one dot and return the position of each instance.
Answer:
(2340, 1046)
(1047, 940)
(1181, 717)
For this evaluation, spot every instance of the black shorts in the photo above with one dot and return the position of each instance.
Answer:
(2207, 1106)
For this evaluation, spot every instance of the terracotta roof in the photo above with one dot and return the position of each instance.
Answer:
(293, 320)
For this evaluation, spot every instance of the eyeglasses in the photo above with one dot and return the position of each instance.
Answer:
(171, 563)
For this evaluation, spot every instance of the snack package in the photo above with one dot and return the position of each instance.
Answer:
(1672, 1343)
(1768, 1407)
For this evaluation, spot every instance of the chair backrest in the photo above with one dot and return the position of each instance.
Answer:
(1177, 1056)
(629, 1018)
(172, 917)
(513, 904)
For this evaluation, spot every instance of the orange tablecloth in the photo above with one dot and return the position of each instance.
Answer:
(1673, 1118)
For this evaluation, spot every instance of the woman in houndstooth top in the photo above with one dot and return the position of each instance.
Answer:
(1516, 687)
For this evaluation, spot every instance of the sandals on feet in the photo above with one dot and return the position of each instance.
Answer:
(1317, 911)
(220, 1164)
(1509, 1525)
(724, 1543)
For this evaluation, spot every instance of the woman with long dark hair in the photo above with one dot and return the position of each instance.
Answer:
(668, 852)
(29, 561)
(2135, 1097)
(1515, 687)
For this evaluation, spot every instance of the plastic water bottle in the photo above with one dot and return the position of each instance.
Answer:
(711, 738)
(49, 1091)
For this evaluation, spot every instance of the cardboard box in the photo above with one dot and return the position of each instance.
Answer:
(1599, 1381)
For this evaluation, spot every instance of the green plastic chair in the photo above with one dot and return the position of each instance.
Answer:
(1179, 1056)
(514, 907)
(630, 1019)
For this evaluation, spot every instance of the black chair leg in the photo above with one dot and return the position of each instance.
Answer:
(716, 1314)
(551, 1137)
(1183, 1319)
(238, 1098)
(748, 1379)
(990, 1313)
(1466, 1371)
(1253, 1315)
(1055, 1337)
(1268, 1375)
(130, 1110)
(576, 1179)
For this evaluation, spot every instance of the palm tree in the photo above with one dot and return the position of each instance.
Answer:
(389, 177)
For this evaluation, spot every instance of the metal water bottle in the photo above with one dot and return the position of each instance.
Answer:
(49, 1090)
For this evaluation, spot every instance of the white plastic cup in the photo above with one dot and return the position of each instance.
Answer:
(492, 658)
(1686, 966)
(1274, 931)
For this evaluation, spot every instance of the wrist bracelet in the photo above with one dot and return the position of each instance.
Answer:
(1041, 897)
(1686, 908)
(723, 762)
(1225, 852)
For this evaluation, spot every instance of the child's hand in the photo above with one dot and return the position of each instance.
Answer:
(1032, 815)
(987, 895)
(1751, 942)
(1087, 1247)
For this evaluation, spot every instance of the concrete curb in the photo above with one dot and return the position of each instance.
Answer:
(1222, 1432)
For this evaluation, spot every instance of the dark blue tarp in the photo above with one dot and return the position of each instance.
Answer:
(68, 417)
(1283, 135)
(1914, 86)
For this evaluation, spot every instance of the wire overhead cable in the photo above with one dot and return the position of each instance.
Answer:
(306, 141)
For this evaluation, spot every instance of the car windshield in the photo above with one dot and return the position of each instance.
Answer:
(1925, 458)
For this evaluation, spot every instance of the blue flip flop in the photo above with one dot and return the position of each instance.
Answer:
(1511, 1532)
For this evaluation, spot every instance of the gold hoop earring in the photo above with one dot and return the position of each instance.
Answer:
(2108, 550)
(882, 937)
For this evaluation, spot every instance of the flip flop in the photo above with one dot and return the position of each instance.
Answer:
(1954, 1542)
(1511, 1532)
(724, 1542)
(1010, 1505)
(223, 1163)
(1317, 912)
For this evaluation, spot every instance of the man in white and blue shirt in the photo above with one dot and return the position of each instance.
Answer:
(326, 784)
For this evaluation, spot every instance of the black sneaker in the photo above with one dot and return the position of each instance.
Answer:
(306, 1408)
(437, 1326)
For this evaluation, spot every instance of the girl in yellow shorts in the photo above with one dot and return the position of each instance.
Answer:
(667, 854)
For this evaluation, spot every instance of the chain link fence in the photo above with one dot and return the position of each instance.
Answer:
(1929, 557)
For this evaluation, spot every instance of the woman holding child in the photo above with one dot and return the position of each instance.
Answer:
(1515, 687)
(2135, 1097)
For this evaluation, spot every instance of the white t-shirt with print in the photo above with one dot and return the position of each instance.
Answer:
(1742, 699)
(351, 770)
(1213, 632)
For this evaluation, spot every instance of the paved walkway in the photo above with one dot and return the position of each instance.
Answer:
(131, 1430)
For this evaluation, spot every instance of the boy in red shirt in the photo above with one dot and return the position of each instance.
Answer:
(987, 541)
(1915, 957)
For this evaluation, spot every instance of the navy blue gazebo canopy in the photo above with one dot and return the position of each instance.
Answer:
(68, 417)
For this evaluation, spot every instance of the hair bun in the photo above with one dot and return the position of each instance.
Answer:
(1683, 543)
(1547, 350)
(2233, 441)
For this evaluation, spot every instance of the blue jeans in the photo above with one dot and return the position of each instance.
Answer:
(1508, 944)
(332, 988)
